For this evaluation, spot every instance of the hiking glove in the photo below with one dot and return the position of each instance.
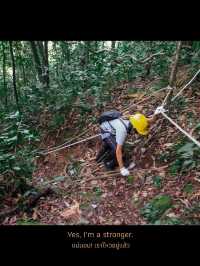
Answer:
(159, 110)
(124, 171)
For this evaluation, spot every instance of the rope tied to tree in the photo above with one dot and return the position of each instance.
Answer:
(162, 111)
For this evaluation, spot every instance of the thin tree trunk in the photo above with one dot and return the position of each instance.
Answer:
(37, 62)
(68, 52)
(4, 75)
(148, 64)
(87, 52)
(113, 54)
(14, 75)
(96, 46)
(23, 74)
(173, 73)
(46, 51)
(65, 50)
(21, 66)
(43, 51)
(40, 46)
(113, 45)
(86, 60)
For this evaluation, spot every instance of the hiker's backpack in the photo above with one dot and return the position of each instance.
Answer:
(111, 115)
(108, 116)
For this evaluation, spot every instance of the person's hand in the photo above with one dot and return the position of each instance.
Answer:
(159, 110)
(124, 171)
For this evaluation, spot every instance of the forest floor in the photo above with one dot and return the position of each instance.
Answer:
(85, 193)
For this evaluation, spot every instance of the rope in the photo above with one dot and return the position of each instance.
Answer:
(72, 144)
(170, 120)
(67, 142)
(185, 86)
(182, 130)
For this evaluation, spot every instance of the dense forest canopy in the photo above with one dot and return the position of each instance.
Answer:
(43, 84)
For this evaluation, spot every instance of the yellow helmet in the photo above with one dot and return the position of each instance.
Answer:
(140, 123)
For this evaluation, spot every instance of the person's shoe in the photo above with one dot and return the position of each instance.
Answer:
(109, 165)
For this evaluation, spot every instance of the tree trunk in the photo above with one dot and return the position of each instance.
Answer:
(43, 51)
(172, 78)
(46, 52)
(37, 61)
(4, 75)
(24, 74)
(113, 45)
(14, 75)
(96, 46)
(85, 61)
(22, 67)
(87, 52)
(65, 50)
(68, 53)
(148, 65)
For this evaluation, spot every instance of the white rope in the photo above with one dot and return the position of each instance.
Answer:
(182, 130)
(185, 86)
(67, 142)
(72, 144)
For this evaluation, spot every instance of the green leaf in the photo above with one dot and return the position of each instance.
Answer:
(14, 115)
(153, 210)
(98, 191)
(11, 139)
(188, 163)
(188, 188)
(16, 168)
(59, 178)
(25, 131)
(130, 179)
(157, 181)
(187, 148)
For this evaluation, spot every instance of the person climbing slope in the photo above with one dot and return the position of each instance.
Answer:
(114, 130)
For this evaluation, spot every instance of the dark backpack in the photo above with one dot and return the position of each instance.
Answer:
(108, 116)
(111, 115)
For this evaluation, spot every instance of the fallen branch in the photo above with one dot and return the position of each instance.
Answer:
(133, 143)
(140, 61)
(151, 56)
(104, 175)
(143, 100)
(167, 96)
(96, 169)
(100, 177)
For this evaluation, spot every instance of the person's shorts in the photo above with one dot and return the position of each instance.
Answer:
(111, 143)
